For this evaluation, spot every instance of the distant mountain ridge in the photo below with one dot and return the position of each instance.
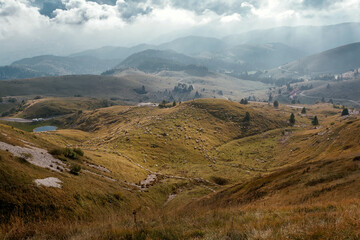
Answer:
(49, 65)
(310, 39)
(258, 50)
(337, 60)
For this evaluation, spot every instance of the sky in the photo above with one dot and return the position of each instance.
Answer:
(35, 27)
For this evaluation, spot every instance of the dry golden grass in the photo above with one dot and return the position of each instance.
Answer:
(271, 181)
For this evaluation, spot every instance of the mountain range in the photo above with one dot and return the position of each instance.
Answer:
(251, 51)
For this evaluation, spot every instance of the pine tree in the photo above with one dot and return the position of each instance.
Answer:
(345, 112)
(303, 111)
(276, 104)
(162, 104)
(197, 95)
(315, 121)
(174, 103)
(292, 119)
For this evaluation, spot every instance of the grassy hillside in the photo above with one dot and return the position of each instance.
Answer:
(343, 92)
(198, 170)
(85, 85)
(50, 107)
(127, 86)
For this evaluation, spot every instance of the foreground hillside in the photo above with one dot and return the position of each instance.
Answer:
(197, 170)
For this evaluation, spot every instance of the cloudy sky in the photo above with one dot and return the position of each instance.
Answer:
(29, 27)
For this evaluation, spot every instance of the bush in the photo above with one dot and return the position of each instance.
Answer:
(70, 153)
(78, 151)
(56, 151)
(67, 152)
(219, 180)
(75, 169)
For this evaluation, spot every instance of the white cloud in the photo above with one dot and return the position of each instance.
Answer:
(231, 18)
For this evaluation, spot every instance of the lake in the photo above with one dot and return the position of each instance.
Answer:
(45, 129)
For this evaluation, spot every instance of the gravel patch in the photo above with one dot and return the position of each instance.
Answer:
(36, 156)
(49, 182)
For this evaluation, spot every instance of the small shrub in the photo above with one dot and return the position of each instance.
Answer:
(56, 151)
(75, 169)
(70, 153)
(79, 151)
(63, 153)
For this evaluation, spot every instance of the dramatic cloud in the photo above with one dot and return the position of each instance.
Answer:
(29, 27)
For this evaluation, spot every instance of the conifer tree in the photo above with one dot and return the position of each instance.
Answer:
(292, 119)
(303, 111)
(315, 121)
(345, 112)
(276, 104)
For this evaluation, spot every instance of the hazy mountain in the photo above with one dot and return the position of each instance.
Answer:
(14, 72)
(55, 65)
(110, 52)
(194, 45)
(261, 56)
(337, 60)
(159, 60)
(311, 39)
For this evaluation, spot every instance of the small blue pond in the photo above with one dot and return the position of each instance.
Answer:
(45, 129)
